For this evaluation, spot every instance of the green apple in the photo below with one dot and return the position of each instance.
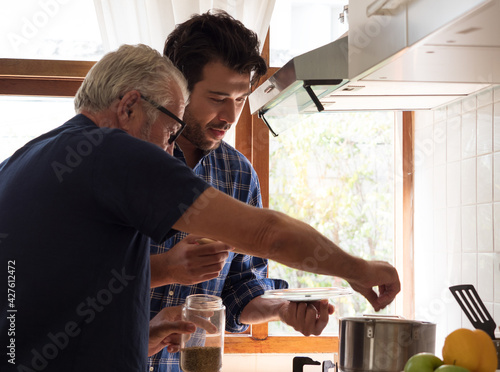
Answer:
(423, 362)
(451, 368)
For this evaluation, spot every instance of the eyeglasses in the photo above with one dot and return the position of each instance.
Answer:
(174, 136)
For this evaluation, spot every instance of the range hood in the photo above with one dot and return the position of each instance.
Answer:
(455, 60)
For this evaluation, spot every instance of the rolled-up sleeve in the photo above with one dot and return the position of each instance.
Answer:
(246, 280)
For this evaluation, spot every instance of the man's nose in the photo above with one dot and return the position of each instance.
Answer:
(229, 113)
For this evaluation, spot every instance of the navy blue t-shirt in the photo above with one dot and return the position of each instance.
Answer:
(77, 207)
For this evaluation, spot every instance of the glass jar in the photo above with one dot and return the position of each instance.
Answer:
(202, 350)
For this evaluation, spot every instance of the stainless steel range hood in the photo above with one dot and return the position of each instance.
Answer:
(429, 73)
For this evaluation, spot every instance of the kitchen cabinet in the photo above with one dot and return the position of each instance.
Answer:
(373, 39)
(407, 42)
(414, 55)
(427, 16)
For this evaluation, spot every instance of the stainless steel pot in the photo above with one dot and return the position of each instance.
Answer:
(382, 344)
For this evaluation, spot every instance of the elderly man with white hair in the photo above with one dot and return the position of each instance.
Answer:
(79, 205)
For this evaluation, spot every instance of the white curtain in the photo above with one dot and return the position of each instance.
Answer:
(150, 21)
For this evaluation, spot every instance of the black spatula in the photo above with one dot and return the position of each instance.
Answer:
(473, 307)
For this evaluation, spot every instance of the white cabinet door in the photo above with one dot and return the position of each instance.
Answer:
(376, 38)
(372, 39)
(427, 16)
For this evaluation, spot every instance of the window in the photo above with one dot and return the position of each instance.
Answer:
(33, 29)
(335, 172)
(31, 43)
(20, 125)
(387, 134)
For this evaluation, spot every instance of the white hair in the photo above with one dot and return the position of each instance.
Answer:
(131, 67)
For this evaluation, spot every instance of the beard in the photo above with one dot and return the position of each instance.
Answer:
(195, 132)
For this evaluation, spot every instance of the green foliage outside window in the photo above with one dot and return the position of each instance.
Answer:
(335, 172)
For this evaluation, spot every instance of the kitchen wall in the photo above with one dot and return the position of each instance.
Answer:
(457, 208)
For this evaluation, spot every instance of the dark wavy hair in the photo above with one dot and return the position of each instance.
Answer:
(210, 37)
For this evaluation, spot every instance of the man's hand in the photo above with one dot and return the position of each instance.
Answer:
(377, 274)
(189, 262)
(308, 318)
(165, 330)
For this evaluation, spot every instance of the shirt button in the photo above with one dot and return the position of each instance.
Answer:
(171, 293)
(151, 369)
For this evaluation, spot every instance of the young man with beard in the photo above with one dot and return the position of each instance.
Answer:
(221, 61)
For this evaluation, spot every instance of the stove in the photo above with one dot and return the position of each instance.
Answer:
(299, 362)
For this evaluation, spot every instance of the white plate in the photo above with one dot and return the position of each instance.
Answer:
(307, 294)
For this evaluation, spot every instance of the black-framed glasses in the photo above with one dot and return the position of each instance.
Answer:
(176, 135)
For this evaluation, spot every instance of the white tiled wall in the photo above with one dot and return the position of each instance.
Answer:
(457, 208)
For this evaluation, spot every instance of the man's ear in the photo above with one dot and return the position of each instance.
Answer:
(127, 109)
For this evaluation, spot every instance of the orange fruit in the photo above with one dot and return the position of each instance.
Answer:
(461, 349)
(473, 350)
(488, 360)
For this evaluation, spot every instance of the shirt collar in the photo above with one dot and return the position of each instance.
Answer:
(179, 154)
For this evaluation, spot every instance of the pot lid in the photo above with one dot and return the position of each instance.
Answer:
(382, 318)
(307, 294)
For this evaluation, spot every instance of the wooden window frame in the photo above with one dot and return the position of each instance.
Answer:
(42, 77)
(62, 79)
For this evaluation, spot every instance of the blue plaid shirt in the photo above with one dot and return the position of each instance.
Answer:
(243, 277)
